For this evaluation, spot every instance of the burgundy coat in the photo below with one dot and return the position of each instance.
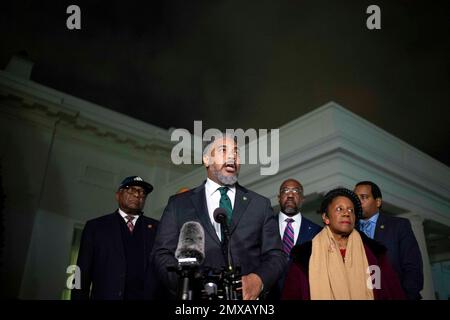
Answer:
(296, 286)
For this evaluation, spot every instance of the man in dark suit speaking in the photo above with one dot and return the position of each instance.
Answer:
(115, 249)
(254, 240)
(396, 235)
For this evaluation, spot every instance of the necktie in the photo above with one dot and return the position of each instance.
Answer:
(130, 224)
(288, 236)
(225, 203)
(364, 226)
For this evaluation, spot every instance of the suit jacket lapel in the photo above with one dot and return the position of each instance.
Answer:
(305, 229)
(142, 224)
(241, 201)
(147, 229)
(198, 199)
(379, 227)
(117, 235)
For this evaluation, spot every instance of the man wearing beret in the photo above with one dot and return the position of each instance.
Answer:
(114, 255)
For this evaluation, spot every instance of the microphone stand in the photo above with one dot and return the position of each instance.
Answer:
(186, 270)
(185, 293)
(231, 278)
(226, 246)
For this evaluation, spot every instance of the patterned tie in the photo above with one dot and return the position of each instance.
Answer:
(225, 203)
(130, 224)
(288, 236)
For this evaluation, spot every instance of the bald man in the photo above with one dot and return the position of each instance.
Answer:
(294, 229)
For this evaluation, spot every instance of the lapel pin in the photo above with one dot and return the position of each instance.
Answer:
(382, 226)
(244, 198)
(149, 226)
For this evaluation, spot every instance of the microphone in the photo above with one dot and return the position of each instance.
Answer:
(220, 216)
(190, 253)
(191, 244)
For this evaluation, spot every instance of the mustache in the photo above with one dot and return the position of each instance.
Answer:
(230, 163)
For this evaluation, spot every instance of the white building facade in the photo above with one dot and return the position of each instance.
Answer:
(62, 159)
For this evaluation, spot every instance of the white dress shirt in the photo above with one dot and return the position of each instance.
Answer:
(213, 200)
(295, 224)
(124, 216)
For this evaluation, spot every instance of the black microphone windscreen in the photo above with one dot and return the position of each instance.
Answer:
(191, 242)
(220, 215)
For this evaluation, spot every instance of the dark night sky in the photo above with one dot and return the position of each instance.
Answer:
(246, 64)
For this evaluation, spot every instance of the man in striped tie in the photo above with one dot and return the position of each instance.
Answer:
(294, 228)
(114, 255)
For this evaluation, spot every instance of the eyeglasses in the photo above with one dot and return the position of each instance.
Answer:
(341, 210)
(133, 190)
(293, 190)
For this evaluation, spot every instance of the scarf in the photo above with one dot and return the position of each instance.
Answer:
(330, 278)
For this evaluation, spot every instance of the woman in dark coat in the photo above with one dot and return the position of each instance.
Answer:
(341, 263)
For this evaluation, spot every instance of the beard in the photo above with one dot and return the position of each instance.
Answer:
(290, 211)
(225, 180)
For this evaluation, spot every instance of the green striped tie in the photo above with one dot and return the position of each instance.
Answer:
(225, 203)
